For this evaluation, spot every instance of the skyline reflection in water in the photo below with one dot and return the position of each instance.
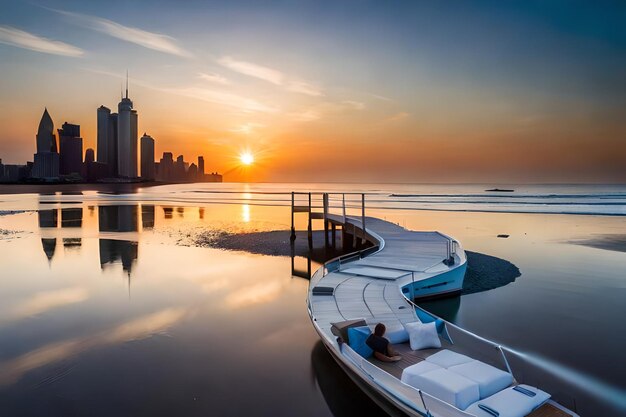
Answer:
(156, 340)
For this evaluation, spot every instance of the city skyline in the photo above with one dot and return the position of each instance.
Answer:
(484, 91)
(122, 155)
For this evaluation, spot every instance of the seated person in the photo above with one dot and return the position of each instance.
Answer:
(382, 348)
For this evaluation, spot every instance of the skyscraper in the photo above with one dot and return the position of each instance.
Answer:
(201, 168)
(112, 146)
(46, 160)
(71, 150)
(147, 158)
(134, 145)
(107, 140)
(104, 114)
(126, 138)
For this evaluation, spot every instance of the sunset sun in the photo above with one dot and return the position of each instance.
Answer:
(246, 158)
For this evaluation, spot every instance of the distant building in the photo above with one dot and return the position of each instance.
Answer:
(46, 160)
(213, 177)
(94, 171)
(89, 155)
(147, 158)
(71, 150)
(13, 173)
(192, 173)
(166, 167)
(179, 169)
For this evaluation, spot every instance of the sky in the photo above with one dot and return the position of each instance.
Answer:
(355, 90)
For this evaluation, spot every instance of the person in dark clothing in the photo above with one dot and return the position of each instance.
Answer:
(383, 350)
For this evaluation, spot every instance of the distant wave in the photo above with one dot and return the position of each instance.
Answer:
(520, 196)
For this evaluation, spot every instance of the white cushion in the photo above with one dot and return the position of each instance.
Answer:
(490, 379)
(419, 368)
(510, 403)
(447, 358)
(447, 386)
(397, 334)
(423, 335)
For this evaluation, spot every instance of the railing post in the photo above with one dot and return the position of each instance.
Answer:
(310, 228)
(293, 226)
(363, 214)
(343, 200)
(325, 201)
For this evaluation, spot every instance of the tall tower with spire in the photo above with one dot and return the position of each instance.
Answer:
(127, 137)
(46, 160)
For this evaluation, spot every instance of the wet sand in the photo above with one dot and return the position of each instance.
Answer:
(615, 243)
(484, 272)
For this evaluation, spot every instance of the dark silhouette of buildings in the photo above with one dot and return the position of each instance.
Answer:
(94, 171)
(107, 140)
(71, 150)
(89, 156)
(192, 173)
(126, 138)
(201, 166)
(14, 173)
(147, 158)
(180, 171)
(46, 162)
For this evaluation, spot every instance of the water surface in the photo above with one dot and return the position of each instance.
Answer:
(108, 309)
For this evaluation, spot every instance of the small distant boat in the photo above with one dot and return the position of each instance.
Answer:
(464, 376)
(500, 190)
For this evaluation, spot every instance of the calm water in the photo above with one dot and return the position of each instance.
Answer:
(106, 308)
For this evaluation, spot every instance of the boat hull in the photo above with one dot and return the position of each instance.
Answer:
(446, 284)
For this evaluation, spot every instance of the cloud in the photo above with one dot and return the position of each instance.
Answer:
(306, 116)
(244, 104)
(398, 116)
(214, 78)
(247, 128)
(252, 70)
(379, 97)
(140, 328)
(304, 88)
(150, 40)
(326, 109)
(355, 105)
(49, 300)
(19, 38)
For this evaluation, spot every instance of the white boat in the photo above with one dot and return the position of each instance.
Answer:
(466, 376)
